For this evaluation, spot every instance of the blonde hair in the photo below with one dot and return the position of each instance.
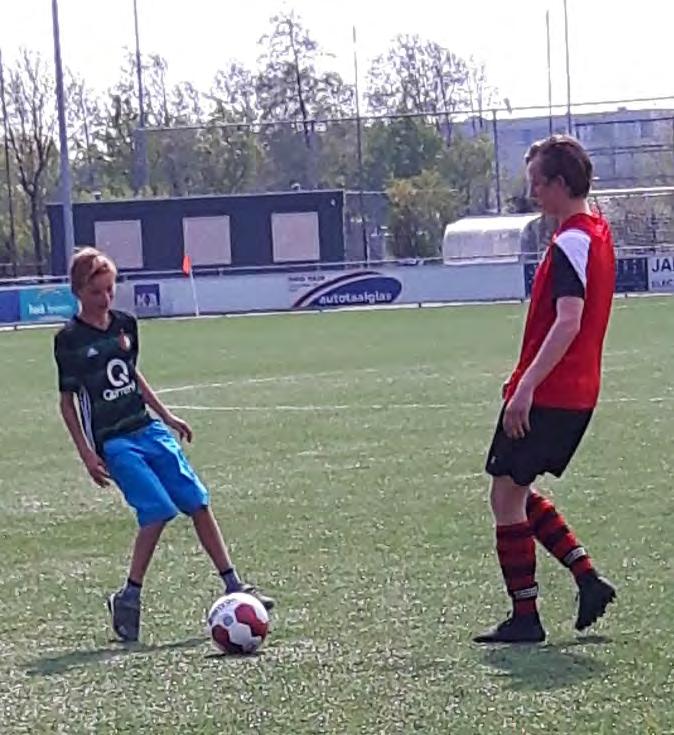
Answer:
(86, 264)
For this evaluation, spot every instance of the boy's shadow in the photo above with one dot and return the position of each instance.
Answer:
(547, 667)
(48, 665)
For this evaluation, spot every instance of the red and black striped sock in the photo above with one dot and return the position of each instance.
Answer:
(516, 549)
(551, 530)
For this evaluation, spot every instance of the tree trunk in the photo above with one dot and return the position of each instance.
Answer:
(37, 234)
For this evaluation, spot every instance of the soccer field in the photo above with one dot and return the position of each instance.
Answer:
(344, 453)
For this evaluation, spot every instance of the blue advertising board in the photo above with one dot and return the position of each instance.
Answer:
(147, 299)
(9, 307)
(46, 304)
(631, 275)
(367, 288)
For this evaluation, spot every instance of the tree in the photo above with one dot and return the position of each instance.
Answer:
(168, 155)
(120, 175)
(421, 207)
(419, 76)
(85, 118)
(288, 73)
(289, 87)
(399, 149)
(467, 168)
(7, 256)
(480, 94)
(31, 116)
(233, 95)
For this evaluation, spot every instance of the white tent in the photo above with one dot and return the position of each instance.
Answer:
(487, 237)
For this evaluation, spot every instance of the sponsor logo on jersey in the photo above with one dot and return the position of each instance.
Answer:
(120, 380)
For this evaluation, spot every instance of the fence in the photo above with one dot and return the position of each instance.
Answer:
(322, 287)
(630, 146)
(476, 154)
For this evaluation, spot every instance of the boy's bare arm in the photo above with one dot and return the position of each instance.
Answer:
(94, 464)
(154, 402)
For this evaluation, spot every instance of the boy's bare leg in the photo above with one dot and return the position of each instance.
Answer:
(211, 539)
(143, 551)
(210, 536)
(124, 605)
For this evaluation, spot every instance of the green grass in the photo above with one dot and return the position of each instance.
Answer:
(366, 516)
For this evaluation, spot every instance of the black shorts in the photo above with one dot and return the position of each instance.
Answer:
(549, 446)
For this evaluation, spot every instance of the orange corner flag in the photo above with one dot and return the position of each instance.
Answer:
(187, 264)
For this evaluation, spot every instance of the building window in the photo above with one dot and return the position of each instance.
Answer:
(295, 236)
(647, 128)
(122, 240)
(208, 240)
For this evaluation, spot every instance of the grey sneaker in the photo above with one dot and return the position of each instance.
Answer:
(250, 589)
(125, 614)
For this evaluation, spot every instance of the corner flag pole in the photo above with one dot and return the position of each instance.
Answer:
(189, 271)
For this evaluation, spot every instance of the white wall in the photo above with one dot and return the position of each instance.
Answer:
(279, 291)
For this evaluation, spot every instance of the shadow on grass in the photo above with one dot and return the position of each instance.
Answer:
(215, 656)
(547, 667)
(64, 662)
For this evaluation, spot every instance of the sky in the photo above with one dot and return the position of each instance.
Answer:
(617, 50)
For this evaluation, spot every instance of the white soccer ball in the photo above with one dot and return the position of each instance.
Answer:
(238, 623)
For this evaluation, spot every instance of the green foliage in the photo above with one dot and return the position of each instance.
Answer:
(421, 207)
(256, 129)
(467, 167)
(400, 149)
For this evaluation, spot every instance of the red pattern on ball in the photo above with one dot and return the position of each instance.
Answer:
(221, 637)
(246, 614)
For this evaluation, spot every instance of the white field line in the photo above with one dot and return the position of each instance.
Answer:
(327, 408)
(411, 370)
(416, 370)
(293, 378)
(383, 407)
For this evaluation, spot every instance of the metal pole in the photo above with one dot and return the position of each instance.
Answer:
(547, 30)
(8, 176)
(359, 143)
(66, 201)
(497, 163)
(141, 144)
(568, 70)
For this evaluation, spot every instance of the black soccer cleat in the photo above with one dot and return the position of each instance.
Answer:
(267, 602)
(594, 595)
(516, 629)
(125, 614)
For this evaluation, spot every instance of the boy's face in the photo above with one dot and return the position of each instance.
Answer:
(550, 195)
(99, 292)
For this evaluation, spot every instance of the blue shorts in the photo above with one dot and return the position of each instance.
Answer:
(152, 472)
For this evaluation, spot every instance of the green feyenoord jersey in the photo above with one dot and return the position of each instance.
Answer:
(99, 365)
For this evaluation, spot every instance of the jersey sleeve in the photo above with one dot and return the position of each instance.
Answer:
(68, 377)
(569, 264)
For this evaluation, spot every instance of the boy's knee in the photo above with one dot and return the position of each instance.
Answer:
(190, 499)
(508, 500)
(157, 512)
(200, 512)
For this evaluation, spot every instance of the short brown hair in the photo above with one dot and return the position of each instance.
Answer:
(86, 264)
(564, 156)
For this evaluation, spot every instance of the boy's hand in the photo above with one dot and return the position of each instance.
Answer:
(182, 427)
(96, 468)
(516, 416)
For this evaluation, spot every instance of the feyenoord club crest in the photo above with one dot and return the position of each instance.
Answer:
(124, 341)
